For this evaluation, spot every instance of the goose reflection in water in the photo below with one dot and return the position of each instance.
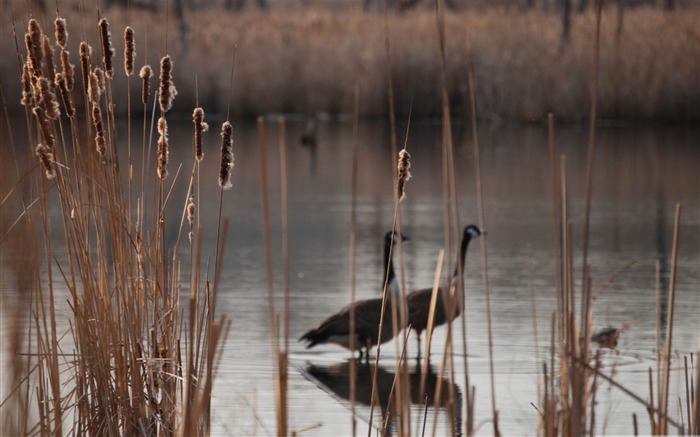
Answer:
(335, 379)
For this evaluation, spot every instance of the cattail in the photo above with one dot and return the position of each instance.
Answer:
(167, 89)
(190, 211)
(107, 48)
(48, 56)
(32, 61)
(100, 131)
(46, 159)
(145, 75)
(404, 173)
(62, 84)
(85, 52)
(199, 127)
(36, 89)
(67, 69)
(162, 148)
(227, 158)
(48, 98)
(49, 139)
(33, 41)
(26, 85)
(94, 89)
(129, 51)
(101, 81)
(61, 32)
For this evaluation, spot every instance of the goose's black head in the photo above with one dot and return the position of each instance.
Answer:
(387, 237)
(472, 231)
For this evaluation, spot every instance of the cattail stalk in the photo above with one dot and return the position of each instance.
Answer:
(48, 98)
(48, 56)
(107, 47)
(129, 51)
(46, 159)
(167, 88)
(67, 69)
(162, 148)
(49, 139)
(61, 32)
(26, 85)
(100, 143)
(227, 159)
(404, 174)
(199, 127)
(85, 52)
(62, 84)
(145, 75)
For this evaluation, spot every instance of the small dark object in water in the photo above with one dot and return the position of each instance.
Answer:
(606, 337)
(308, 137)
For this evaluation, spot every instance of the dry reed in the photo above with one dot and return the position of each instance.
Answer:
(129, 51)
(67, 70)
(61, 32)
(227, 158)
(85, 53)
(163, 151)
(167, 91)
(200, 127)
(145, 75)
(107, 47)
(48, 55)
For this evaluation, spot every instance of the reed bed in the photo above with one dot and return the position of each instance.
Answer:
(648, 70)
(132, 360)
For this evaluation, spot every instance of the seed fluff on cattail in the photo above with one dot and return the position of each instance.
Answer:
(48, 98)
(48, 56)
(32, 61)
(162, 148)
(85, 52)
(107, 47)
(227, 158)
(101, 81)
(49, 139)
(94, 89)
(46, 159)
(61, 32)
(62, 84)
(167, 88)
(26, 86)
(190, 211)
(33, 42)
(145, 75)
(199, 127)
(129, 51)
(404, 174)
(67, 69)
(99, 131)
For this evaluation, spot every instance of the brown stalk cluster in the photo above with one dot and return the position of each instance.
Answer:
(162, 148)
(145, 75)
(167, 88)
(129, 51)
(107, 47)
(199, 127)
(227, 158)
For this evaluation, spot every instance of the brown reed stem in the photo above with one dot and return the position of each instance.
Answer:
(283, 425)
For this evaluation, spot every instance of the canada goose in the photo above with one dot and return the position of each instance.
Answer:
(336, 328)
(606, 337)
(418, 301)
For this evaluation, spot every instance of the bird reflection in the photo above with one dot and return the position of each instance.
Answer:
(335, 379)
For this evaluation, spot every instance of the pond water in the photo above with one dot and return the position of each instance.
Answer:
(640, 173)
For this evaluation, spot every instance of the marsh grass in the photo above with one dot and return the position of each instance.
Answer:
(131, 362)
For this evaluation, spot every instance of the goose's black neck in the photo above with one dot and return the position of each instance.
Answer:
(466, 238)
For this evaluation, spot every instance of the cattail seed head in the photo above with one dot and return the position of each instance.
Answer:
(107, 47)
(129, 51)
(26, 86)
(49, 139)
(404, 174)
(85, 52)
(34, 42)
(162, 148)
(48, 98)
(48, 56)
(62, 84)
(67, 69)
(100, 143)
(101, 81)
(32, 61)
(227, 159)
(190, 211)
(199, 127)
(167, 88)
(145, 75)
(61, 32)
(94, 88)
(46, 159)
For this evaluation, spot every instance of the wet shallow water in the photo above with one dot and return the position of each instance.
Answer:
(639, 175)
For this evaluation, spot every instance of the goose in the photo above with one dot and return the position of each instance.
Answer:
(336, 328)
(418, 301)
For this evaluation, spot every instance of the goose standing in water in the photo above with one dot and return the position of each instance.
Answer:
(336, 328)
(419, 301)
